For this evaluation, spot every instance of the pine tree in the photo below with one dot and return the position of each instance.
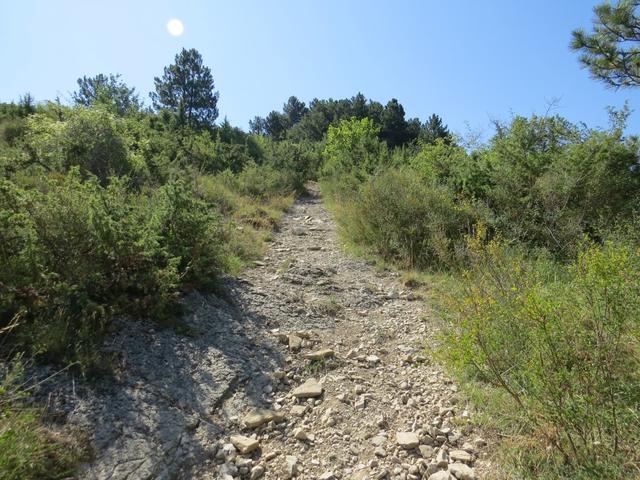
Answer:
(434, 129)
(611, 52)
(107, 90)
(187, 89)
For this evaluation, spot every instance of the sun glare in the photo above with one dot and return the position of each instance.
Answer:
(175, 27)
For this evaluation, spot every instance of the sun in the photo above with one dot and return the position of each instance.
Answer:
(175, 27)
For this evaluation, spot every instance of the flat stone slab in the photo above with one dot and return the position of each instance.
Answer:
(320, 354)
(462, 471)
(460, 456)
(298, 410)
(407, 440)
(309, 389)
(244, 444)
(261, 416)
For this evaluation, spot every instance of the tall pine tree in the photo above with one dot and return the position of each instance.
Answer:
(186, 88)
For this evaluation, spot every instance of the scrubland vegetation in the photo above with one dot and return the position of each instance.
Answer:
(535, 234)
(111, 208)
(535, 237)
(107, 208)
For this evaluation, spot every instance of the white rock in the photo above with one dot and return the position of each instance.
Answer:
(372, 359)
(320, 354)
(380, 452)
(407, 440)
(480, 442)
(298, 410)
(291, 466)
(257, 472)
(426, 451)
(461, 456)
(261, 416)
(468, 447)
(360, 403)
(310, 388)
(441, 475)
(301, 434)
(229, 451)
(462, 471)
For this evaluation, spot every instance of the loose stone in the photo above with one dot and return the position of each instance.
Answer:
(244, 444)
(257, 472)
(462, 471)
(461, 456)
(407, 440)
(320, 354)
(309, 389)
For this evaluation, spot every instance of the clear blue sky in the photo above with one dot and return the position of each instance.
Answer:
(467, 60)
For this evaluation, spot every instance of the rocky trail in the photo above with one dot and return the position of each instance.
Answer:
(311, 365)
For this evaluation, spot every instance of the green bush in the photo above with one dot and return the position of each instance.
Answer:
(74, 253)
(92, 139)
(467, 174)
(563, 343)
(300, 160)
(402, 218)
(264, 181)
(549, 182)
(353, 148)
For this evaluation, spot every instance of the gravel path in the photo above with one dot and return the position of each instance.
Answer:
(310, 365)
(357, 336)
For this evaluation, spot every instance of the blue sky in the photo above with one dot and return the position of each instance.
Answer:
(470, 61)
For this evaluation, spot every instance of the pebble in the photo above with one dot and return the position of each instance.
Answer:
(229, 451)
(301, 434)
(291, 469)
(309, 389)
(271, 455)
(426, 451)
(461, 456)
(244, 444)
(441, 475)
(442, 459)
(257, 472)
(372, 359)
(259, 417)
(462, 471)
(295, 342)
(320, 354)
(407, 440)
(298, 410)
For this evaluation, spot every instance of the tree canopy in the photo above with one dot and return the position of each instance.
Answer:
(186, 88)
(109, 91)
(299, 122)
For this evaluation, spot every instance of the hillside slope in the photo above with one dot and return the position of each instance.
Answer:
(177, 398)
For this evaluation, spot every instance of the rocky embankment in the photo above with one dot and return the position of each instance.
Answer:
(311, 366)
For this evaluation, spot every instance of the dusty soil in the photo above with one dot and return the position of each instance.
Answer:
(177, 399)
